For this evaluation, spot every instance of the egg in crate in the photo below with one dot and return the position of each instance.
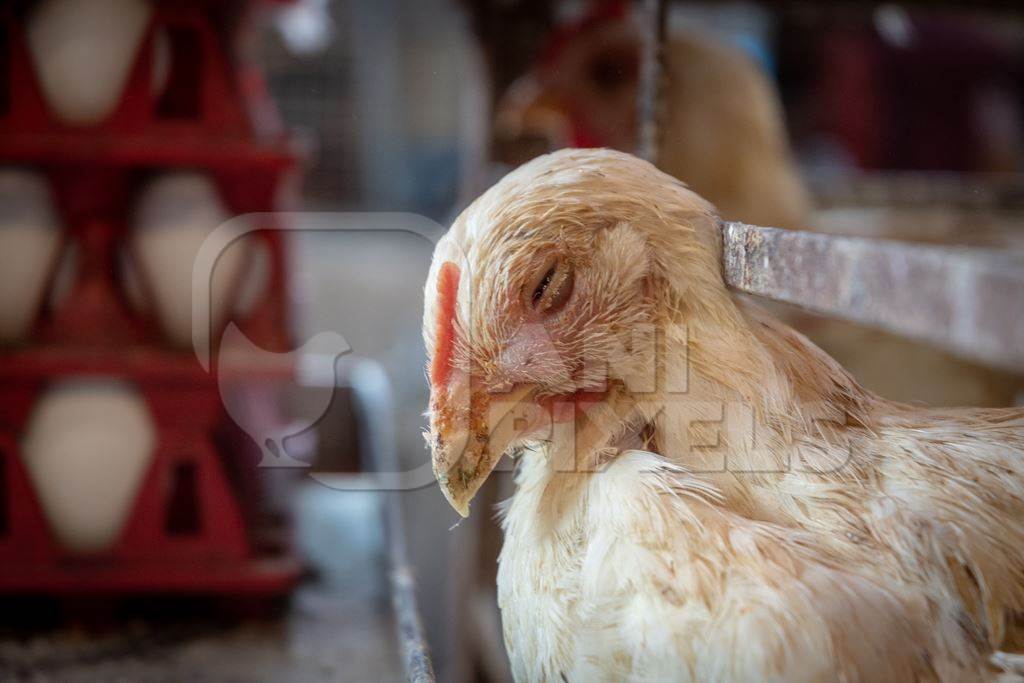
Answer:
(174, 215)
(30, 236)
(88, 444)
(83, 52)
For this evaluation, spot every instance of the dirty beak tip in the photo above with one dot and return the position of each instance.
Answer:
(461, 508)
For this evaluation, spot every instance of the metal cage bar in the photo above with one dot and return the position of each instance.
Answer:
(969, 301)
(653, 18)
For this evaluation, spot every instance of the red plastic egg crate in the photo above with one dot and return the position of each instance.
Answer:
(191, 527)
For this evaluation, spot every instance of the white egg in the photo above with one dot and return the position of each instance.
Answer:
(29, 238)
(174, 216)
(83, 51)
(88, 444)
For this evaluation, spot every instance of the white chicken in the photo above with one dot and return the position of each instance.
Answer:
(702, 494)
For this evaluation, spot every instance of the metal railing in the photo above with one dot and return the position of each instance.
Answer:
(966, 300)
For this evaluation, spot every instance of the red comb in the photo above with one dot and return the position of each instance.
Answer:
(601, 12)
(447, 295)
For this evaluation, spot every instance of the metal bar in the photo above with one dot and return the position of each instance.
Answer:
(373, 400)
(649, 103)
(416, 654)
(412, 639)
(969, 301)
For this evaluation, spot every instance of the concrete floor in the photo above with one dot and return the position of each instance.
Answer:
(321, 638)
(335, 628)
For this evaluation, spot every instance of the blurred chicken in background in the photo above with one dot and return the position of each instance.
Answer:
(722, 125)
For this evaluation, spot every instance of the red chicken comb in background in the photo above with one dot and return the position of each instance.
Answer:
(601, 12)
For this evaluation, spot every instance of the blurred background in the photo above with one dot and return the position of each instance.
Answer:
(196, 496)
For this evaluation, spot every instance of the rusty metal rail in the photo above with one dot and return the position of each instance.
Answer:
(969, 301)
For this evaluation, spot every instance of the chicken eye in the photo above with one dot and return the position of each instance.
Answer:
(538, 293)
(549, 290)
(606, 73)
(613, 68)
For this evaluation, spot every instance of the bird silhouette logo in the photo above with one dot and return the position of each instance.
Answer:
(254, 405)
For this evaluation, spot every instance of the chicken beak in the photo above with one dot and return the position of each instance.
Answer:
(470, 429)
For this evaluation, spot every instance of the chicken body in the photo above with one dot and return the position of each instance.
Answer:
(729, 505)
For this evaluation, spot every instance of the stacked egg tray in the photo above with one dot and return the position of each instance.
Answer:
(192, 520)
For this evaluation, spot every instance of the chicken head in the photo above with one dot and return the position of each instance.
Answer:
(544, 303)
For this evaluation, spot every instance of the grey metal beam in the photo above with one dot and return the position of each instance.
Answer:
(969, 301)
